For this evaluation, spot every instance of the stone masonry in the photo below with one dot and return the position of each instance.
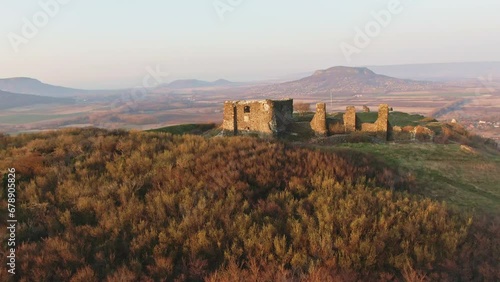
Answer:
(381, 126)
(264, 116)
(274, 116)
(350, 119)
(318, 123)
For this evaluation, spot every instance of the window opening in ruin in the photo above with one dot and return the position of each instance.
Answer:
(247, 109)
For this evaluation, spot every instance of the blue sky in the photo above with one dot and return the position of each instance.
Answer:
(107, 44)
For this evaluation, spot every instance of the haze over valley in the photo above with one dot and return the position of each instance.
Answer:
(194, 101)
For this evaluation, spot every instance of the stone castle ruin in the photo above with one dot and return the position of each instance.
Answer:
(276, 116)
(265, 116)
(380, 129)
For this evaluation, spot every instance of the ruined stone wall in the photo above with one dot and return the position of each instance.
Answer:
(350, 119)
(318, 123)
(229, 121)
(381, 126)
(369, 127)
(268, 116)
(254, 116)
(382, 122)
(264, 116)
(383, 118)
(282, 115)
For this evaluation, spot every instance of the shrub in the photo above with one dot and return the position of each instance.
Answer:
(155, 206)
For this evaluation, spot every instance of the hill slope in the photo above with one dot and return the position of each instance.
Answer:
(25, 85)
(13, 100)
(162, 207)
(463, 177)
(129, 206)
(347, 80)
(441, 72)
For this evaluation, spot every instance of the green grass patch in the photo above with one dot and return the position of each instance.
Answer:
(303, 117)
(367, 117)
(404, 119)
(395, 118)
(470, 181)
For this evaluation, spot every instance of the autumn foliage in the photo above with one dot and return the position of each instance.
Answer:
(131, 206)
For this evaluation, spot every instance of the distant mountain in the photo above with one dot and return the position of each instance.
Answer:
(13, 100)
(441, 72)
(347, 80)
(187, 83)
(223, 82)
(195, 83)
(25, 85)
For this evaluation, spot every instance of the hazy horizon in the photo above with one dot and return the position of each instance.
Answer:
(88, 44)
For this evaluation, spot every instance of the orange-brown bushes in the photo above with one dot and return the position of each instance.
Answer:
(130, 205)
(456, 133)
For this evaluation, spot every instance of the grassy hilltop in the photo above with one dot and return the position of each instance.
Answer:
(125, 206)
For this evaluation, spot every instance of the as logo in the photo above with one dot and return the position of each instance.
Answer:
(224, 6)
